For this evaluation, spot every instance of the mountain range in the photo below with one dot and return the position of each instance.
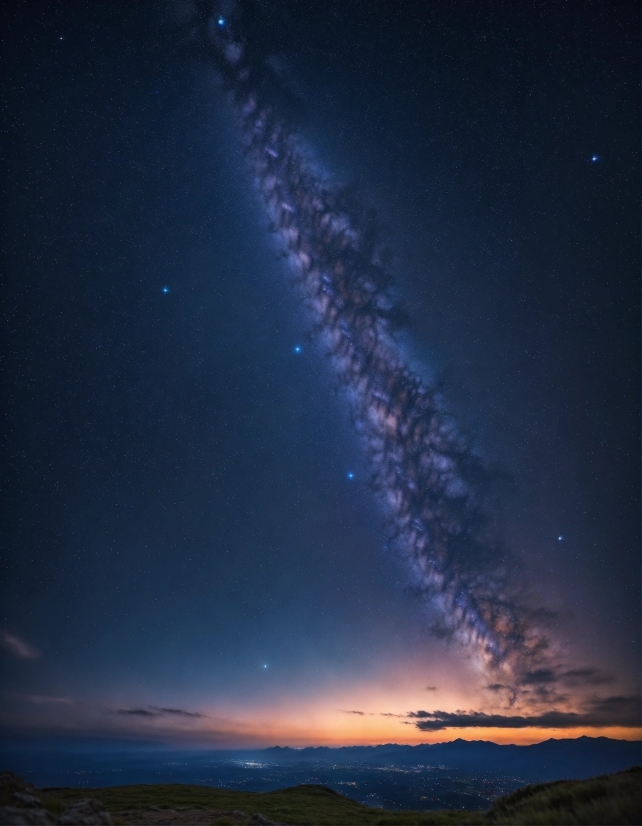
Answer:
(550, 760)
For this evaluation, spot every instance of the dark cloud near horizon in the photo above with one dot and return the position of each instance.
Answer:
(136, 712)
(155, 711)
(609, 711)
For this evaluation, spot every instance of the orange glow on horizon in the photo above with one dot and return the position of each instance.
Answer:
(371, 711)
(290, 734)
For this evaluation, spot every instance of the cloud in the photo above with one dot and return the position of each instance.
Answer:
(181, 712)
(439, 632)
(618, 705)
(17, 647)
(540, 676)
(155, 711)
(575, 676)
(44, 700)
(608, 711)
(390, 714)
(431, 688)
(360, 713)
(137, 712)
(587, 676)
(510, 692)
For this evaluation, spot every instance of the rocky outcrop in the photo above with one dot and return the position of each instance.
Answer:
(24, 807)
(86, 812)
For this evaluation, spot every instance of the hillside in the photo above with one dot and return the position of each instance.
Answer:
(613, 799)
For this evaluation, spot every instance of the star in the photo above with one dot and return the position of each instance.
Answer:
(165, 289)
(595, 158)
(221, 21)
(350, 474)
(560, 538)
(298, 349)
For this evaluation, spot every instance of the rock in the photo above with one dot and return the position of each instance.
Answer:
(29, 801)
(10, 782)
(237, 813)
(24, 816)
(261, 820)
(26, 807)
(86, 812)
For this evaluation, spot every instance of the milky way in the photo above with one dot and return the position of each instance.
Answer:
(423, 469)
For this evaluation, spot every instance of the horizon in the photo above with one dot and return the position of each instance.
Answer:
(88, 743)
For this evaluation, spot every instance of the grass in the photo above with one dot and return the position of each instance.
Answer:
(609, 799)
(612, 799)
(305, 804)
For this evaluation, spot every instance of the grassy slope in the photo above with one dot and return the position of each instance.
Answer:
(613, 799)
(306, 804)
(610, 799)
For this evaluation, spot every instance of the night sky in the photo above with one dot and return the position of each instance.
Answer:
(192, 551)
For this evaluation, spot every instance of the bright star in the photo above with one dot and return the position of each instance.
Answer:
(165, 289)
(221, 21)
(595, 158)
(350, 475)
(560, 538)
(297, 349)
(264, 665)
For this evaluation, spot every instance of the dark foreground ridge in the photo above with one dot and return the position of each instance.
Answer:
(610, 799)
(21, 803)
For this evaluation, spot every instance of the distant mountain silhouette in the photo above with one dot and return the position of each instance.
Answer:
(578, 758)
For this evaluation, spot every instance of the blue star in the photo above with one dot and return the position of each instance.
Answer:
(350, 474)
(298, 349)
(165, 289)
(264, 665)
(560, 538)
(221, 21)
(595, 158)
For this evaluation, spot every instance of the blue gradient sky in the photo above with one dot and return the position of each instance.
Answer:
(181, 533)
